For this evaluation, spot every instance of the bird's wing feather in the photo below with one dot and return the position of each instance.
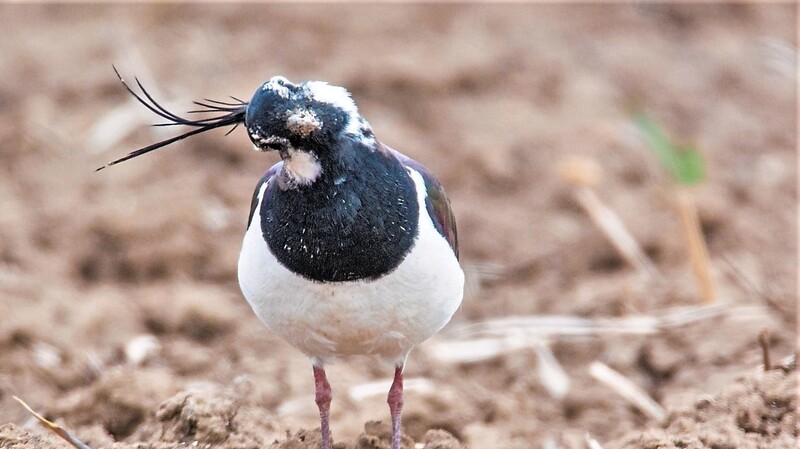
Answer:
(264, 179)
(436, 202)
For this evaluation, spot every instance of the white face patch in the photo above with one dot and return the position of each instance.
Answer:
(333, 95)
(361, 129)
(302, 122)
(339, 97)
(302, 166)
(274, 84)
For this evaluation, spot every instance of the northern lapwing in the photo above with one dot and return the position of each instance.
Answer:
(351, 247)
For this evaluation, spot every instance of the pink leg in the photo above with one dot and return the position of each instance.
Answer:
(395, 401)
(323, 398)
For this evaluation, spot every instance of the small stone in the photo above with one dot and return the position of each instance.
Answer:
(141, 349)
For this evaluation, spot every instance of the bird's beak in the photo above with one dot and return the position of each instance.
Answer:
(271, 143)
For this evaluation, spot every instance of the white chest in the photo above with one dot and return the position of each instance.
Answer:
(384, 317)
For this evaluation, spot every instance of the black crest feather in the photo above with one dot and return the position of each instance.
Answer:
(233, 114)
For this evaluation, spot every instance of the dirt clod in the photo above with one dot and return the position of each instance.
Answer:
(755, 412)
(378, 435)
(12, 437)
(440, 439)
(120, 400)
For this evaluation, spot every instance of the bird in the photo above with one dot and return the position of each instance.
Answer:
(351, 247)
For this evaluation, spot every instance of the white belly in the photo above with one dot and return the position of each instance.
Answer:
(384, 317)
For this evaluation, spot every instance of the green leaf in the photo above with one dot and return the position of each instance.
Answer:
(685, 164)
(691, 167)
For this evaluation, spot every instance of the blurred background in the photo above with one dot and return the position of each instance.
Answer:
(119, 303)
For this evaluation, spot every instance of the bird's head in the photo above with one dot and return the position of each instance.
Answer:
(304, 122)
(308, 116)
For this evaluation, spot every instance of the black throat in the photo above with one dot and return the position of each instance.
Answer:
(357, 221)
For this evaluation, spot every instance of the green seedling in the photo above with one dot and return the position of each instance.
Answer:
(685, 166)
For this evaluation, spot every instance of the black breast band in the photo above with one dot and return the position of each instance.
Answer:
(350, 224)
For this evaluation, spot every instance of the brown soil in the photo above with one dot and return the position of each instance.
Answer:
(120, 315)
(756, 412)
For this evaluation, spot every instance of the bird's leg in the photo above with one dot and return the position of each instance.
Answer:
(323, 399)
(395, 401)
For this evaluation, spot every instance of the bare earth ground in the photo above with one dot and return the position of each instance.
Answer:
(120, 315)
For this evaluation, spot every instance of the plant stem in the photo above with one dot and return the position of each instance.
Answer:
(698, 251)
(616, 232)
